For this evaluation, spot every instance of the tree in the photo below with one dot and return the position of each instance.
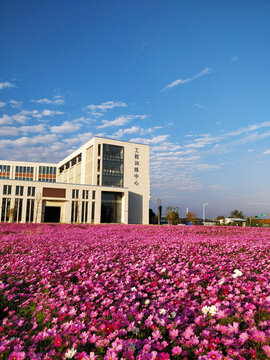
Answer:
(191, 217)
(172, 215)
(152, 217)
(237, 214)
(220, 217)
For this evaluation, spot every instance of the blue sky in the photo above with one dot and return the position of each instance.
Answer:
(189, 78)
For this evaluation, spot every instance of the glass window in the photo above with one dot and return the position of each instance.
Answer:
(113, 166)
(7, 190)
(4, 171)
(93, 212)
(30, 210)
(75, 194)
(93, 195)
(85, 194)
(19, 190)
(31, 191)
(79, 158)
(99, 149)
(5, 209)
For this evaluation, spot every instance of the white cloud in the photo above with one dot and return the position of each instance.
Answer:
(9, 131)
(133, 130)
(267, 151)
(154, 140)
(204, 72)
(201, 107)
(122, 132)
(2, 104)
(66, 127)
(40, 114)
(6, 84)
(15, 131)
(79, 139)
(15, 104)
(105, 106)
(57, 100)
(6, 119)
(28, 141)
(120, 120)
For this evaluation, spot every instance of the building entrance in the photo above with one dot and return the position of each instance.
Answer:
(52, 214)
(111, 206)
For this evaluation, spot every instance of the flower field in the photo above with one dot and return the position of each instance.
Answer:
(134, 292)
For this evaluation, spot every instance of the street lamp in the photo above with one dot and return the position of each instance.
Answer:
(203, 207)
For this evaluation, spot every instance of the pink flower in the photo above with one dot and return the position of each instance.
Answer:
(163, 356)
(58, 341)
(17, 355)
(176, 350)
(111, 355)
(174, 333)
(259, 336)
(266, 349)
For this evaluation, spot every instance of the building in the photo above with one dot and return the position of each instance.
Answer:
(104, 181)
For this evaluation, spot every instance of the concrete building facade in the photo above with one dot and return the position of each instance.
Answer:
(103, 181)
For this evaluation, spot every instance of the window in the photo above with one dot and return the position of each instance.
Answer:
(61, 169)
(84, 214)
(17, 211)
(113, 165)
(93, 195)
(73, 161)
(67, 165)
(5, 209)
(85, 194)
(74, 211)
(75, 194)
(24, 173)
(19, 190)
(98, 165)
(47, 173)
(99, 149)
(93, 212)
(79, 158)
(98, 180)
(4, 171)
(31, 191)
(30, 210)
(7, 190)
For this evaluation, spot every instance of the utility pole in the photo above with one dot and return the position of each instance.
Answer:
(159, 210)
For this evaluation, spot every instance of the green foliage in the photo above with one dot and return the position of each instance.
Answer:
(172, 215)
(191, 217)
(238, 214)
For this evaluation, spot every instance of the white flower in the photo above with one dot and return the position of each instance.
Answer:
(70, 353)
(173, 314)
(205, 310)
(212, 310)
(237, 273)
(134, 289)
(163, 270)
(147, 302)
(162, 311)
